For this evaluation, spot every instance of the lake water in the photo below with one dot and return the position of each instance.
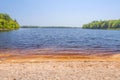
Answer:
(61, 38)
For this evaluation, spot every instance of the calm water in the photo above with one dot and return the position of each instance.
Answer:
(61, 38)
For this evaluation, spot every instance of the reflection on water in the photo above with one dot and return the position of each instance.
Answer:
(61, 39)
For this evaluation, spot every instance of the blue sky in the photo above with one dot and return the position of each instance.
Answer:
(60, 12)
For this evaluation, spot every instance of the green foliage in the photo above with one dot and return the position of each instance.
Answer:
(109, 24)
(7, 23)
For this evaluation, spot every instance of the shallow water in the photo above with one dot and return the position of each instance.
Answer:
(61, 39)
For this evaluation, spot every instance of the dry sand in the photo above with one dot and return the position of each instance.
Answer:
(59, 67)
(65, 70)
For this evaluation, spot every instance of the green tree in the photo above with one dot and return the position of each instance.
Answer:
(7, 23)
(109, 24)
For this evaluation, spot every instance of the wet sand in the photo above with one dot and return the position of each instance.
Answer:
(59, 66)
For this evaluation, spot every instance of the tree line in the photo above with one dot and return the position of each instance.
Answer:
(107, 24)
(7, 23)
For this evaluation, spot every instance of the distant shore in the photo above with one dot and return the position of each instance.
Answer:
(49, 27)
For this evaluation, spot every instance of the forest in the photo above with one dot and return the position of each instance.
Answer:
(7, 23)
(107, 24)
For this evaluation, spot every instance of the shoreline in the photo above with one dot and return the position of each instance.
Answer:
(22, 58)
(48, 54)
(59, 69)
(47, 66)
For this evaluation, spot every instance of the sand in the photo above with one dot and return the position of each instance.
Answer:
(65, 70)
(59, 67)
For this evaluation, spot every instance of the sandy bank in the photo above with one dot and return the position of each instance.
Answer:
(59, 67)
(17, 58)
(54, 70)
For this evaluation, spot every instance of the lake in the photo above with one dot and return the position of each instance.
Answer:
(61, 39)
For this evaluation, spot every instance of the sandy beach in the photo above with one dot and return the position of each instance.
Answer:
(59, 67)
(52, 70)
